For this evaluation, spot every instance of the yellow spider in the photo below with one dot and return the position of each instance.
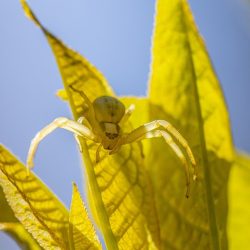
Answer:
(102, 123)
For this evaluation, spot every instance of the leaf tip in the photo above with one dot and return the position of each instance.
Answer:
(29, 13)
(74, 186)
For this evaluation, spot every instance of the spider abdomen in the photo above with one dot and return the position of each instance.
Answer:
(108, 109)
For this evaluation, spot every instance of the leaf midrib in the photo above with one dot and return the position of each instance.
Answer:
(207, 175)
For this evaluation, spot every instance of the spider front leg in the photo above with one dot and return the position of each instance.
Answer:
(169, 140)
(162, 124)
(61, 122)
(149, 130)
(97, 154)
(84, 121)
(127, 114)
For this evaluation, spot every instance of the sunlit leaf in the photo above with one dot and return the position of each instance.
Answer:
(185, 91)
(83, 233)
(119, 185)
(76, 71)
(9, 224)
(21, 236)
(239, 203)
(41, 213)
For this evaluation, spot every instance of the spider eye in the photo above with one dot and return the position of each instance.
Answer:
(111, 130)
(111, 136)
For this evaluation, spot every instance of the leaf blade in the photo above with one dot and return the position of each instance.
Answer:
(42, 215)
(184, 90)
(76, 70)
(239, 197)
(10, 225)
(84, 236)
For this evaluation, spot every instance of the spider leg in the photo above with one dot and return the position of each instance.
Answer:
(173, 131)
(78, 142)
(61, 122)
(144, 133)
(84, 121)
(127, 114)
(82, 94)
(141, 148)
(169, 140)
(91, 112)
(98, 153)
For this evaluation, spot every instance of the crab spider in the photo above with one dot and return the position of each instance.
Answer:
(102, 123)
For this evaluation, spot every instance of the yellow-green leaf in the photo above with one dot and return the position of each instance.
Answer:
(21, 236)
(185, 91)
(41, 213)
(239, 203)
(9, 224)
(120, 188)
(81, 228)
(76, 70)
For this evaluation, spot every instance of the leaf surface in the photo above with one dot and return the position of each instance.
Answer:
(10, 225)
(239, 201)
(76, 70)
(120, 189)
(185, 91)
(82, 230)
(41, 213)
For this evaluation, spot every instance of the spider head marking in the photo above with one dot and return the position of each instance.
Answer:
(108, 112)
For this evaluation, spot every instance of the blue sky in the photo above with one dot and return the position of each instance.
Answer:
(116, 37)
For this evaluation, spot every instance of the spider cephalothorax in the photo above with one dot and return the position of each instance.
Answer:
(108, 113)
(103, 124)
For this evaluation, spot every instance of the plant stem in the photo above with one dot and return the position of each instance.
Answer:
(101, 213)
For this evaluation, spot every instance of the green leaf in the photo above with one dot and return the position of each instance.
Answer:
(120, 189)
(185, 91)
(239, 201)
(10, 225)
(82, 230)
(76, 71)
(40, 212)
